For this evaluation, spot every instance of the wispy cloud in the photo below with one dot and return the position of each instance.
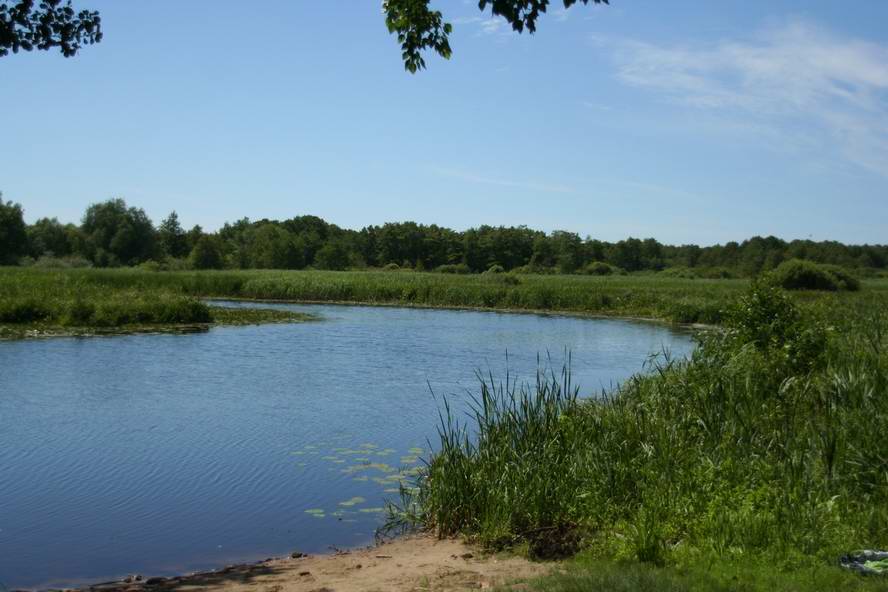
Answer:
(492, 25)
(485, 180)
(794, 79)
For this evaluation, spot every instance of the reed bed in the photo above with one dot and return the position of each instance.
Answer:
(677, 300)
(769, 441)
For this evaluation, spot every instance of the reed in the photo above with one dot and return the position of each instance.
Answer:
(678, 300)
(768, 441)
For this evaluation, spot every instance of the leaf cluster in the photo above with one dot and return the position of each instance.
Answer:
(49, 24)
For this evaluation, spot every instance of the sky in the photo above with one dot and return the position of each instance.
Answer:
(686, 121)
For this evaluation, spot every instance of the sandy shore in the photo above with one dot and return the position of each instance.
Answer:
(414, 564)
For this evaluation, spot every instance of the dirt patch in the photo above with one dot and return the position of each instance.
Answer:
(412, 564)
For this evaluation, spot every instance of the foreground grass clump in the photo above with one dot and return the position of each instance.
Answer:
(769, 441)
(586, 574)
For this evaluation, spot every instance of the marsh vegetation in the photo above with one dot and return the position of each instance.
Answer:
(766, 446)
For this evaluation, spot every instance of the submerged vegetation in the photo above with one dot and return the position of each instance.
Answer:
(768, 444)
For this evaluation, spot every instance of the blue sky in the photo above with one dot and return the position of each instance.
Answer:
(686, 121)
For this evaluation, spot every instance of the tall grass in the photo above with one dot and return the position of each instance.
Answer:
(673, 299)
(770, 439)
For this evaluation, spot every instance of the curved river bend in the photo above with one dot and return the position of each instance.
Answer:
(163, 454)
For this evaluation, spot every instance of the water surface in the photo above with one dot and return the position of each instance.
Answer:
(163, 454)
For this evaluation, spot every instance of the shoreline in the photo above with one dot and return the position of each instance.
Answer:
(244, 317)
(578, 314)
(15, 332)
(406, 563)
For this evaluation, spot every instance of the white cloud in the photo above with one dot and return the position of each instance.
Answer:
(485, 180)
(787, 78)
(492, 25)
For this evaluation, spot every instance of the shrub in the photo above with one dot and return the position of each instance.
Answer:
(601, 268)
(797, 274)
(69, 262)
(845, 280)
(391, 267)
(460, 268)
(495, 268)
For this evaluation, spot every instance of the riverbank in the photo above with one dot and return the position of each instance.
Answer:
(220, 317)
(406, 564)
(757, 452)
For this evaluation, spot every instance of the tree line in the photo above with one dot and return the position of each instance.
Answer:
(111, 234)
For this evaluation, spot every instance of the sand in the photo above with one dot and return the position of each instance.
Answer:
(414, 564)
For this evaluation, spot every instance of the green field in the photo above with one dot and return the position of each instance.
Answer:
(120, 297)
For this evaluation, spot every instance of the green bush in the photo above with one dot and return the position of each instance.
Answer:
(601, 268)
(797, 274)
(460, 268)
(844, 278)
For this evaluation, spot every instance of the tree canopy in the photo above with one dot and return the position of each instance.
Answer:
(25, 25)
(51, 23)
(112, 233)
(420, 28)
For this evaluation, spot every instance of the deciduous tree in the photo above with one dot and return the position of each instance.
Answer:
(28, 25)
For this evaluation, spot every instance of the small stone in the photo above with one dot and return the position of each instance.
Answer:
(154, 581)
(297, 555)
(304, 573)
(466, 555)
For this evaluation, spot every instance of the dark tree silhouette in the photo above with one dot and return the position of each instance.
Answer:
(54, 23)
(27, 25)
(420, 28)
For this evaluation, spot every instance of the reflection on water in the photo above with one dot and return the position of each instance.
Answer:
(162, 454)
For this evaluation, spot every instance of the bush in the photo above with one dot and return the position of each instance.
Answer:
(391, 267)
(845, 280)
(495, 268)
(601, 268)
(797, 274)
(69, 262)
(460, 268)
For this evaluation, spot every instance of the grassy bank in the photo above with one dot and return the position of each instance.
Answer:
(678, 300)
(589, 574)
(767, 445)
(34, 304)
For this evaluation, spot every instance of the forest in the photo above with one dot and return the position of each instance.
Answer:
(114, 234)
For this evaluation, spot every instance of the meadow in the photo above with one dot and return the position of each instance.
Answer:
(125, 296)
